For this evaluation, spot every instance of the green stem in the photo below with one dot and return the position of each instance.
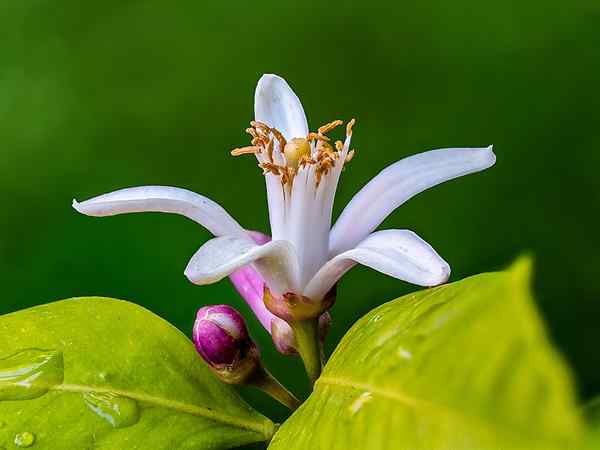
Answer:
(267, 383)
(309, 346)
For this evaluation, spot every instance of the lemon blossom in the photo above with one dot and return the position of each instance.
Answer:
(306, 255)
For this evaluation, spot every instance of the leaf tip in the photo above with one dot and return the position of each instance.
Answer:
(522, 268)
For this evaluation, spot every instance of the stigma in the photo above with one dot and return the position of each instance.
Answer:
(295, 150)
(285, 159)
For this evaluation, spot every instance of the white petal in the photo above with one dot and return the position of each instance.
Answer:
(399, 182)
(398, 253)
(278, 106)
(167, 200)
(276, 262)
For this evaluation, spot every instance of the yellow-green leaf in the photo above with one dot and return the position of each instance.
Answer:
(465, 366)
(102, 374)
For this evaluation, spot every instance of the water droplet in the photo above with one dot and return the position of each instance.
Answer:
(357, 404)
(30, 373)
(375, 318)
(117, 410)
(404, 353)
(24, 439)
(103, 376)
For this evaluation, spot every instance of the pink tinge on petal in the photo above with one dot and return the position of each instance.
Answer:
(250, 285)
(258, 237)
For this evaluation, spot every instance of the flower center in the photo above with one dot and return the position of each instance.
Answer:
(285, 158)
(295, 149)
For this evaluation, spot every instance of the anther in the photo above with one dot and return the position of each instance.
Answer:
(329, 126)
(349, 127)
(279, 137)
(245, 150)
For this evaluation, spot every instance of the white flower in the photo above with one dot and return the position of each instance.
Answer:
(306, 255)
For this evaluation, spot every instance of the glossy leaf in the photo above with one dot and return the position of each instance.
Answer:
(463, 366)
(592, 415)
(107, 374)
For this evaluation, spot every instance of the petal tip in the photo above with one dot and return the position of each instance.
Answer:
(266, 83)
(77, 206)
(190, 273)
(490, 155)
(440, 276)
(444, 273)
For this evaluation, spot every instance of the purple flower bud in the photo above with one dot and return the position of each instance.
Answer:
(222, 339)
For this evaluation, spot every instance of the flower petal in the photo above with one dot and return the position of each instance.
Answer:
(250, 285)
(276, 104)
(275, 261)
(399, 182)
(398, 253)
(167, 200)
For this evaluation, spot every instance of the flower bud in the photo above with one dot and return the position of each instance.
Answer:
(222, 339)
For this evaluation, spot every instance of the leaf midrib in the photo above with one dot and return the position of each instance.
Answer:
(267, 429)
(415, 402)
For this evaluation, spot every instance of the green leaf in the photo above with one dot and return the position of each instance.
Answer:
(462, 366)
(592, 412)
(592, 415)
(107, 374)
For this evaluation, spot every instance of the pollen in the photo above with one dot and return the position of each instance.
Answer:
(285, 159)
(295, 150)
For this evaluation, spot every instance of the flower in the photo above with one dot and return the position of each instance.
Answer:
(306, 256)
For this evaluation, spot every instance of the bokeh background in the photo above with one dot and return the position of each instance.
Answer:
(96, 96)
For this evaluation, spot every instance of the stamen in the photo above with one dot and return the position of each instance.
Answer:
(329, 126)
(245, 150)
(324, 147)
(305, 160)
(298, 152)
(270, 149)
(316, 137)
(260, 126)
(279, 137)
(270, 167)
(349, 127)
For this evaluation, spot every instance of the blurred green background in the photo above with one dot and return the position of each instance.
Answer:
(96, 96)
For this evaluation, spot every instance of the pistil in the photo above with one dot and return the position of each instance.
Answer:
(297, 153)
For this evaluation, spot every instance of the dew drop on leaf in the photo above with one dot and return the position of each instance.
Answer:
(118, 411)
(403, 353)
(30, 373)
(24, 439)
(359, 402)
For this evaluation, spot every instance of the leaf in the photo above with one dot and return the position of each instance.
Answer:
(96, 373)
(592, 414)
(462, 366)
